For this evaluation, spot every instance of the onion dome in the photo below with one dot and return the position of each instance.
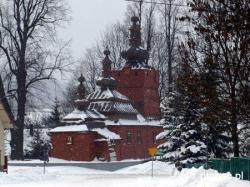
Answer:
(106, 64)
(81, 88)
(135, 56)
(81, 103)
(106, 81)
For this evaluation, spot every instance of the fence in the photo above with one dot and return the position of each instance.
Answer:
(238, 167)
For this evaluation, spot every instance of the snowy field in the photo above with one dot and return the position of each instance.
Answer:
(134, 176)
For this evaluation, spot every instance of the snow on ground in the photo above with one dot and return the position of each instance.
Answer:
(138, 176)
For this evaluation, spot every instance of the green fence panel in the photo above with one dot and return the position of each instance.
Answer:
(226, 166)
(234, 166)
(240, 166)
(222, 166)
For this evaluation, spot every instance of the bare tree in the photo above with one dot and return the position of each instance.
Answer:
(26, 29)
(170, 25)
(115, 38)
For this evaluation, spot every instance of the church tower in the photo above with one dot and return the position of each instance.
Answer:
(137, 80)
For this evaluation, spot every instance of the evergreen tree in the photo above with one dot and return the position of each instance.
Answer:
(218, 134)
(183, 132)
(54, 119)
(171, 132)
(35, 145)
(221, 31)
(192, 146)
(194, 127)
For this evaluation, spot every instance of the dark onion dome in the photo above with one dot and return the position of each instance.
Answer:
(135, 56)
(106, 81)
(81, 88)
(106, 64)
(81, 103)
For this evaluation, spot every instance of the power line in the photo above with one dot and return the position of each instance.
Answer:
(157, 3)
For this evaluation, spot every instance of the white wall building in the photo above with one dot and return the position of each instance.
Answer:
(5, 123)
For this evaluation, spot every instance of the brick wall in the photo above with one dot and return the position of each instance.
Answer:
(135, 149)
(82, 148)
(141, 86)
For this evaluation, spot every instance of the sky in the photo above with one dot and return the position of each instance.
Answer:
(88, 19)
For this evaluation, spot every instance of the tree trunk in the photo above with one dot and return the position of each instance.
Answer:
(17, 132)
(17, 144)
(234, 128)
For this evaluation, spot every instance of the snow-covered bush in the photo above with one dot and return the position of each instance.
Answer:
(34, 145)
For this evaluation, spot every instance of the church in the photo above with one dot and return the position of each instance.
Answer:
(120, 119)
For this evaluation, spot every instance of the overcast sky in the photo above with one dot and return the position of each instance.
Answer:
(89, 18)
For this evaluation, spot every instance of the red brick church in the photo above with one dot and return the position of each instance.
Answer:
(121, 118)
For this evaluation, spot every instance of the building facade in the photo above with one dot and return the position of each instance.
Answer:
(5, 123)
(119, 120)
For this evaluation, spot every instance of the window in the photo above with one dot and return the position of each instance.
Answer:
(69, 140)
(139, 140)
(129, 137)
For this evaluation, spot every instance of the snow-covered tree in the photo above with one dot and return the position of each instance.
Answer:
(55, 116)
(171, 133)
(34, 145)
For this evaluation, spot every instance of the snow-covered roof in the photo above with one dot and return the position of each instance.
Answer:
(126, 122)
(112, 102)
(106, 94)
(83, 128)
(110, 106)
(71, 128)
(107, 133)
(78, 116)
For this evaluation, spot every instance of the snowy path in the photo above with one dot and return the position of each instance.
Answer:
(134, 176)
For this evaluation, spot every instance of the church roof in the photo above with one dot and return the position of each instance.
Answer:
(110, 106)
(80, 116)
(106, 99)
(70, 128)
(110, 101)
(104, 132)
(100, 94)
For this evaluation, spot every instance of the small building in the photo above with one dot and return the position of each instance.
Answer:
(5, 123)
(120, 119)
